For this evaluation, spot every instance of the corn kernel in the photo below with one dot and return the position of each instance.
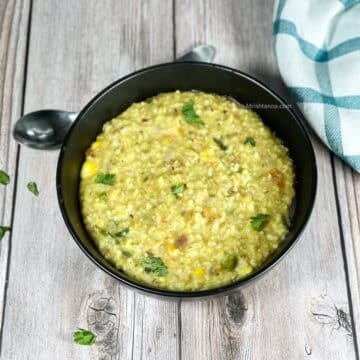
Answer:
(180, 130)
(207, 211)
(208, 214)
(167, 140)
(199, 272)
(213, 163)
(207, 154)
(170, 247)
(96, 144)
(88, 169)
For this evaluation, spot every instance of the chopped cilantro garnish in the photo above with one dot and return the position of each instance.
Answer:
(122, 233)
(102, 195)
(190, 115)
(114, 222)
(250, 141)
(32, 187)
(101, 231)
(106, 179)
(220, 144)
(155, 265)
(4, 177)
(111, 230)
(259, 221)
(178, 189)
(84, 337)
(126, 253)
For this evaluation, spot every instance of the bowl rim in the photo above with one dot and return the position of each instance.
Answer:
(202, 293)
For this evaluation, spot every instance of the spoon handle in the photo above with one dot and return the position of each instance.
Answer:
(205, 53)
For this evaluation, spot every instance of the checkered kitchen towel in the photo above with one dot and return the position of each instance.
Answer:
(317, 46)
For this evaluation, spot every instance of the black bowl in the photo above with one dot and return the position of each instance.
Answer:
(209, 78)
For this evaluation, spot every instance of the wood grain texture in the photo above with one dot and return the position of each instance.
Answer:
(13, 33)
(301, 308)
(348, 193)
(76, 48)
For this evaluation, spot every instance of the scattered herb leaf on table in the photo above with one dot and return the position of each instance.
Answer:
(84, 337)
(32, 187)
(3, 230)
(4, 177)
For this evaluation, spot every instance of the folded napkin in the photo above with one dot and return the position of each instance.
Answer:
(317, 46)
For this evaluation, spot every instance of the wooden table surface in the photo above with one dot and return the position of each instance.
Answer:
(58, 54)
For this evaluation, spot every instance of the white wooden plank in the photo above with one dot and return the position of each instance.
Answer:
(348, 192)
(301, 307)
(156, 329)
(13, 32)
(76, 48)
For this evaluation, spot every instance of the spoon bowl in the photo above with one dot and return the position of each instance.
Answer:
(43, 129)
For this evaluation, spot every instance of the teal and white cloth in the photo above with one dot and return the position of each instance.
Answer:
(317, 46)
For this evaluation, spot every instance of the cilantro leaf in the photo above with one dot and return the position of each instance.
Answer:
(126, 253)
(250, 141)
(178, 189)
(106, 179)
(4, 177)
(32, 187)
(122, 233)
(3, 230)
(84, 337)
(220, 144)
(102, 196)
(155, 265)
(259, 221)
(190, 116)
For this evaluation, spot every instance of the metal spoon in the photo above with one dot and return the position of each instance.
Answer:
(46, 129)
(204, 53)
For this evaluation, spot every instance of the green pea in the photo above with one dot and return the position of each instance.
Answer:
(229, 262)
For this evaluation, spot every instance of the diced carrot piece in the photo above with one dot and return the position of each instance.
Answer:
(277, 177)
